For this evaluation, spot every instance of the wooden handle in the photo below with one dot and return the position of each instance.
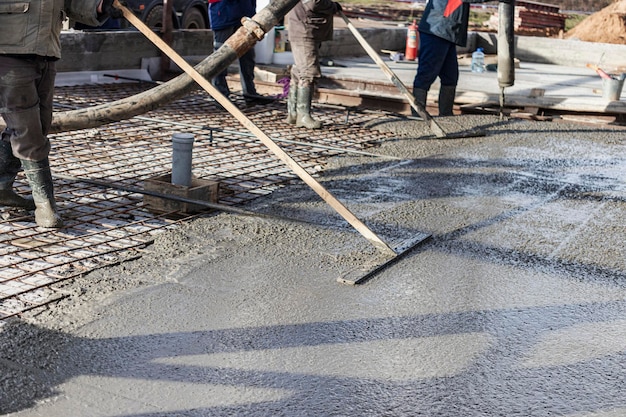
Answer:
(600, 71)
(434, 126)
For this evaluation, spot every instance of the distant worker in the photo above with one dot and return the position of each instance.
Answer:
(442, 27)
(29, 50)
(310, 23)
(225, 17)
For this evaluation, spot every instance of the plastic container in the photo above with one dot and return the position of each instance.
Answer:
(478, 60)
(283, 58)
(612, 88)
(264, 49)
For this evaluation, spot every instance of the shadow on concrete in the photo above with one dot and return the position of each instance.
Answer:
(540, 181)
(507, 377)
(537, 360)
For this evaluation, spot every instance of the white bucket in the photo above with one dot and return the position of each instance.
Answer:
(264, 49)
(283, 58)
(612, 89)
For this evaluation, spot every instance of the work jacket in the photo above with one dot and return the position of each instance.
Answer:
(447, 19)
(228, 13)
(33, 27)
(311, 19)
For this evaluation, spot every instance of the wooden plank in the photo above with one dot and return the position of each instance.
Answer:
(200, 189)
(535, 92)
(561, 103)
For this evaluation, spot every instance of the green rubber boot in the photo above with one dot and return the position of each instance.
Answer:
(446, 100)
(40, 180)
(303, 107)
(10, 165)
(292, 98)
(420, 98)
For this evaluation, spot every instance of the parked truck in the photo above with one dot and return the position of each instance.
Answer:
(186, 14)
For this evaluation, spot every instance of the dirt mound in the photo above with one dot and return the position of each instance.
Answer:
(606, 26)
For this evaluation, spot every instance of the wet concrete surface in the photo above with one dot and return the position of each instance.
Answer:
(516, 306)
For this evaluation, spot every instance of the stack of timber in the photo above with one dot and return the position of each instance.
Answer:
(534, 18)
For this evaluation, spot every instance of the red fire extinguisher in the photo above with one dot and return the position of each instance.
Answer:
(411, 42)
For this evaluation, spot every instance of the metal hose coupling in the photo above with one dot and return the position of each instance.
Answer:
(253, 27)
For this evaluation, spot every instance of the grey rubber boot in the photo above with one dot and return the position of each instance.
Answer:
(303, 108)
(420, 98)
(40, 180)
(9, 167)
(292, 98)
(446, 100)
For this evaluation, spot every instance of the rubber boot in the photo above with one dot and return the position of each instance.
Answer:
(9, 167)
(446, 100)
(40, 180)
(303, 108)
(255, 98)
(292, 98)
(420, 98)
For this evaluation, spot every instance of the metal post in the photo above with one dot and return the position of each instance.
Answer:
(506, 47)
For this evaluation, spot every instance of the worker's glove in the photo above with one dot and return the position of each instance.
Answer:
(338, 8)
(109, 10)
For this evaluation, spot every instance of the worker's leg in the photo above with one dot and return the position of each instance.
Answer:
(449, 77)
(40, 180)
(306, 59)
(26, 92)
(9, 167)
(246, 73)
(292, 97)
(433, 53)
(219, 38)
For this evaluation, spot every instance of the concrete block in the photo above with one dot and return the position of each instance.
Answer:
(107, 50)
(564, 52)
(345, 44)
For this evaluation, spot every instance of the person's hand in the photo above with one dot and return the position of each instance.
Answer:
(111, 11)
(338, 8)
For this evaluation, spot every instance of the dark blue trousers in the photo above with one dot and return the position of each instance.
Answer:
(246, 65)
(437, 58)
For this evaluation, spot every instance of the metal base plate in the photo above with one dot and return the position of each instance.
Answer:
(361, 274)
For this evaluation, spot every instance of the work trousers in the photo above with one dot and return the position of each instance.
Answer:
(26, 93)
(437, 58)
(306, 56)
(246, 65)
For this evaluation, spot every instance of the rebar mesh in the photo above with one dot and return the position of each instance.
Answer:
(106, 225)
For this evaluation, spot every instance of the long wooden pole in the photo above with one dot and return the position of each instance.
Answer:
(266, 140)
(434, 127)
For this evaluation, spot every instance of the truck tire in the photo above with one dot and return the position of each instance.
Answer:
(154, 18)
(193, 19)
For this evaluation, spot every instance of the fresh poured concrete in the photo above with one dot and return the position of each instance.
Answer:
(515, 307)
